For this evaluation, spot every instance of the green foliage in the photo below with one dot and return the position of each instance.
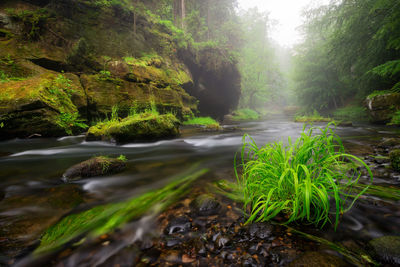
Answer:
(351, 113)
(201, 121)
(245, 114)
(3, 76)
(71, 121)
(106, 218)
(299, 180)
(33, 21)
(314, 117)
(123, 158)
(114, 113)
(396, 119)
(351, 49)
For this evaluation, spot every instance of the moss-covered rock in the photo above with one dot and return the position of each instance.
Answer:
(382, 107)
(98, 166)
(142, 127)
(395, 159)
(40, 105)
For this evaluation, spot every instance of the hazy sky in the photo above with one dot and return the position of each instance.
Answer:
(288, 15)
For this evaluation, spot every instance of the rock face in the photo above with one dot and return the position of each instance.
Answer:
(395, 159)
(144, 127)
(387, 249)
(107, 64)
(382, 107)
(97, 166)
(216, 80)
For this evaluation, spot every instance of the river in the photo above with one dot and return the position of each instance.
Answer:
(31, 172)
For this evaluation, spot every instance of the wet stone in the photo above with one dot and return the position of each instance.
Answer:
(205, 205)
(317, 259)
(261, 230)
(97, 166)
(180, 224)
(386, 249)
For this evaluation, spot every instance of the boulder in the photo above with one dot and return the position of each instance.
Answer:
(98, 166)
(382, 107)
(386, 249)
(47, 104)
(143, 127)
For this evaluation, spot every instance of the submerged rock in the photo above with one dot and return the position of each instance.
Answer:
(318, 259)
(97, 166)
(137, 128)
(205, 205)
(386, 249)
(395, 159)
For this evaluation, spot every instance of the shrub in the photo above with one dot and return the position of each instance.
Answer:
(300, 180)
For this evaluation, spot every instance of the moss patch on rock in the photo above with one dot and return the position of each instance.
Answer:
(141, 127)
(97, 166)
(41, 105)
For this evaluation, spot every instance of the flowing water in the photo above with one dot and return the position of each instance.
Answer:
(34, 195)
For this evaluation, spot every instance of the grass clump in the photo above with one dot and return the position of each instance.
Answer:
(395, 119)
(245, 114)
(315, 117)
(299, 181)
(205, 121)
(106, 218)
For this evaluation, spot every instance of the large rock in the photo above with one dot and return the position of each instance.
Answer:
(144, 127)
(97, 166)
(386, 249)
(45, 104)
(382, 107)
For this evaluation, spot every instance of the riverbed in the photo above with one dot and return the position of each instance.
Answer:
(34, 196)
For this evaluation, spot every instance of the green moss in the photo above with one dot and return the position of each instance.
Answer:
(33, 21)
(377, 93)
(395, 119)
(205, 121)
(245, 114)
(106, 218)
(144, 126)
(315, 117)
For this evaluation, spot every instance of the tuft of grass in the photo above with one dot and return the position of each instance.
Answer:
(299, 181)
(106, 218)
(315, 117)
(245, 114)
(205, 121)
(123, 158)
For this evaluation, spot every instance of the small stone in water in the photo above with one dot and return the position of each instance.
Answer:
(205, 205)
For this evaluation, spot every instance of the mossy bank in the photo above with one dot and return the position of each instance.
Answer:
(65, 64)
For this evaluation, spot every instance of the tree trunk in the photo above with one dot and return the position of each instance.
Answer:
(183, 14)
